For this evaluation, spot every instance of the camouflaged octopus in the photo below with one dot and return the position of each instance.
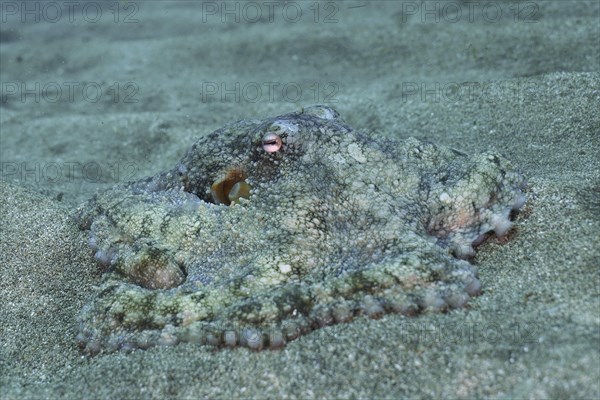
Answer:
(268, 229)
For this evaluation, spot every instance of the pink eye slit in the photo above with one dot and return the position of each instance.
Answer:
(271, 142)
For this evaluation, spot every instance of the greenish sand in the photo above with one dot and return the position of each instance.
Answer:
(533, 333)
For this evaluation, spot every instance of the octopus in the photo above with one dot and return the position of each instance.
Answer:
(269, 229)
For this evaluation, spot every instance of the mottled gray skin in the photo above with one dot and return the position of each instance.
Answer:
(338, 224)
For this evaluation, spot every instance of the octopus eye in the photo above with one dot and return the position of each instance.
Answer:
(271, 142)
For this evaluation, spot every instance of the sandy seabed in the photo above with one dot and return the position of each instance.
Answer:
(98, 99)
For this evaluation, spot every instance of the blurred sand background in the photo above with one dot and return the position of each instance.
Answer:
(106, 92)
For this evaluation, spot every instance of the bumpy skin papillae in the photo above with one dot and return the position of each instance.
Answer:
(338, 224)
